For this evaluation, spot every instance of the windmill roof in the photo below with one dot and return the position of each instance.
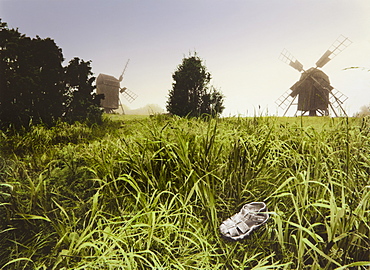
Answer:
(107, 80)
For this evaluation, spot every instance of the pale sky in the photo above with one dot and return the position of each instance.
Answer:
(240, 41)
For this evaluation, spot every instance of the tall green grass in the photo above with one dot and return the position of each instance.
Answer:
(150, 193)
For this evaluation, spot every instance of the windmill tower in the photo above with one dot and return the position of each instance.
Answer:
(315, 94)
(111, 88)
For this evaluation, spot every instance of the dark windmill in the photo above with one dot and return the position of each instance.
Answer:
(315, 94)
(111, 87)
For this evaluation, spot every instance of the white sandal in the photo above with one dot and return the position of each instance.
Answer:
(241, 224)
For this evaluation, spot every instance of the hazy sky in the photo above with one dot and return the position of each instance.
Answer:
(240, 42)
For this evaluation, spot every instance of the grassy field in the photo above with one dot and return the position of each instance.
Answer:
(151, 192)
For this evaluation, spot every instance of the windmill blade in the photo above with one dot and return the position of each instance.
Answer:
(337, 98)
(289, 59)
(285, 101)
(123, 72)
(337, 47)
(128, 94)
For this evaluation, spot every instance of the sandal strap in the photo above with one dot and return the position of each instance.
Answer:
(236, 226)
(243, 227)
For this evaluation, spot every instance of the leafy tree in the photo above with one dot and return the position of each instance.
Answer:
(31, 87)
(36, 88)
(82, 103)
(190, 94)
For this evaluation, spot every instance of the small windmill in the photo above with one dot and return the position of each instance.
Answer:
(110, 87)
(314, 92)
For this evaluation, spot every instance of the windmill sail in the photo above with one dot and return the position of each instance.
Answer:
(123, 72)
(337, 98)
(284, 100)
(337, 47)
(128, 94)
(289, 59)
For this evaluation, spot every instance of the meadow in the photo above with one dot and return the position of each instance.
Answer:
(151, 192)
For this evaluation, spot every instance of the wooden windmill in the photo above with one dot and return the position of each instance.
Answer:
(315, 94)
(111, 88)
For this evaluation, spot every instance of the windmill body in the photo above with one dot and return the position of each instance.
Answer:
(111, 88)
(313, 90)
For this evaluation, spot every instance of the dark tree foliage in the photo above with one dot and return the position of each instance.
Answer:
(82, 103)
(190, 94)
(31, 87)
(35, 87)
